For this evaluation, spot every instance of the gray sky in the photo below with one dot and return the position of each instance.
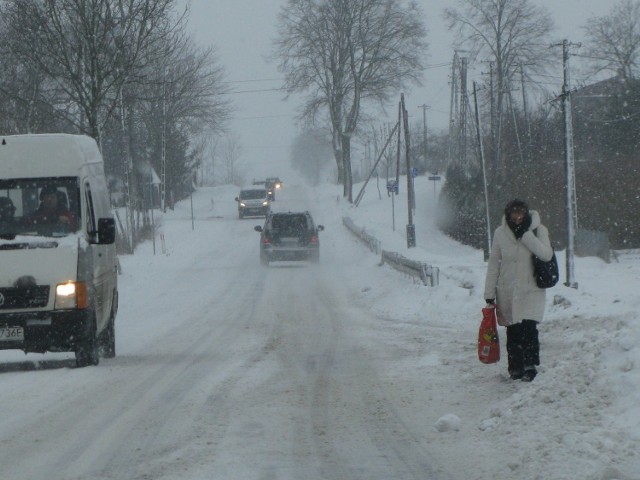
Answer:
(242, 31)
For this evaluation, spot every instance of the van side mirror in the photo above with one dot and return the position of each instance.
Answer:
(106, 231)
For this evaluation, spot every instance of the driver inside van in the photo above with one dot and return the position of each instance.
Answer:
(51, 212)
(7, 220)
(7, 210)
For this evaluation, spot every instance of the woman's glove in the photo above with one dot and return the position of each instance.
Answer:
(521, 229)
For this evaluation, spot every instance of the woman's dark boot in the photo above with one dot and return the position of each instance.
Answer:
(529, 374)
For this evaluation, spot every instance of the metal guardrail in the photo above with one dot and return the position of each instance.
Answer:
(627, 255)
(429, 275)
(369, 240)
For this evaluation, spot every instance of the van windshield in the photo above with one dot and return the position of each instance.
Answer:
(39, 206)
(253, 194)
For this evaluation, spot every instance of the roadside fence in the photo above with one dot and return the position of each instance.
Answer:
(429, 274)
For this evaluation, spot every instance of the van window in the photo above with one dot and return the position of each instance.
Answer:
(47, 206)
(91, 217)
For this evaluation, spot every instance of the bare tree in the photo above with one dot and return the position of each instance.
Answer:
(228, 153)
(207, 169)
(508, 33)
(182, 98)
(90, 48)
(311, 153)
(614, 40)
(187, 87)
(24, 103)
(345, 52)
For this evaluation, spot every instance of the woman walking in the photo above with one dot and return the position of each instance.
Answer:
(511, 287)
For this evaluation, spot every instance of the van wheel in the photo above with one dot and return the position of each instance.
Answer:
(87, 346)
(107, 339)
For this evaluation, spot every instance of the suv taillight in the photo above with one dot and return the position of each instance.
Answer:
(313, 239)
(266, 241)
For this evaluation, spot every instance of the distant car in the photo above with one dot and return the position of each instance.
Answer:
(271, 192)
(289, 236)
(253, 202)
(275, 181)
(271, 184)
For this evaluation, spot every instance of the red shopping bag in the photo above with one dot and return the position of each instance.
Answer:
(488, 343)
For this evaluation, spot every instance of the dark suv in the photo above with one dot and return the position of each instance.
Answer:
(289, 236)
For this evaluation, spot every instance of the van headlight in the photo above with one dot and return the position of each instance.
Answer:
(265, 203)
(242, 204)
(71, 295)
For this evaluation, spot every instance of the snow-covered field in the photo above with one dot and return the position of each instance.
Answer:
(579, 419)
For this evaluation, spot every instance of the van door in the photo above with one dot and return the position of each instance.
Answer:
(102, 261)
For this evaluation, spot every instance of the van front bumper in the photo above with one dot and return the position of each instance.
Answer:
(56, 330)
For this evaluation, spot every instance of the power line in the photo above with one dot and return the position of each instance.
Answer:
(281, 89)
(261, 117)
(256, 80)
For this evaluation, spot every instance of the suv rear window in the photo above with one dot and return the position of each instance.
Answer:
(293, 223)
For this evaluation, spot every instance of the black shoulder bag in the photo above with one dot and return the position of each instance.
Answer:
(545, 273)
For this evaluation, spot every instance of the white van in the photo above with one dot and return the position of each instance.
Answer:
(58, 264)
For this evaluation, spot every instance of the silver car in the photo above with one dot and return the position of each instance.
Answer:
(253, 202)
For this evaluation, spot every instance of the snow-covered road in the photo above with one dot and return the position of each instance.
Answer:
(223, 366)
(227, 369)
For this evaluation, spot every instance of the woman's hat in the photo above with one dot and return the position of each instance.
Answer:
(516, 205)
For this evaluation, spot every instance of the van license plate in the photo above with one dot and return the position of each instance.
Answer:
(11, 334)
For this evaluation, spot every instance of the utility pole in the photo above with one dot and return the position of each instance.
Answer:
(464, 100)
(400, 108)
(129, 189)
(525, 114)
(484, 170)
(572, 215)
(375, 165)
(163, 158)
(424, 133)
(515, 120)
(493, 105)
(411, 228)
(453, 105)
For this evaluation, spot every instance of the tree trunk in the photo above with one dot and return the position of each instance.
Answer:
(339, 165)
(346, 161)
(336, 141)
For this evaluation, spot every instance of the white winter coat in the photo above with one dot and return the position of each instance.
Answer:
(510, 272)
